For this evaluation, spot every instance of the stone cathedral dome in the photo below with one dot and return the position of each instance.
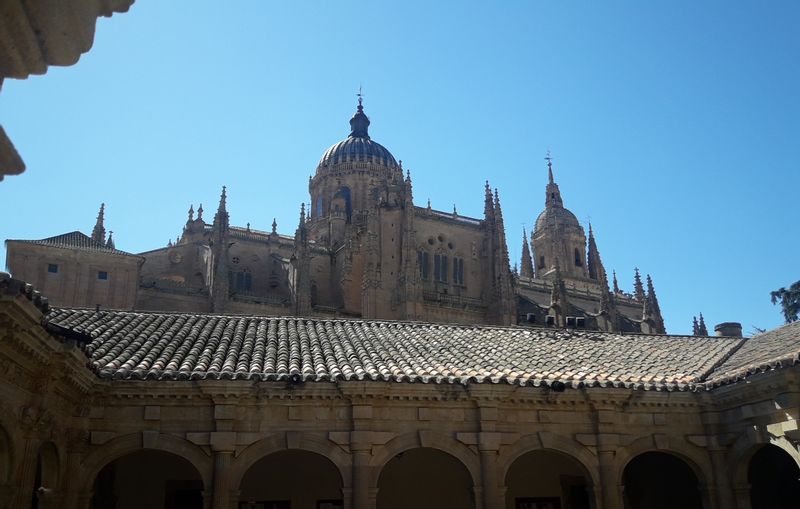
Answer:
(358, 147)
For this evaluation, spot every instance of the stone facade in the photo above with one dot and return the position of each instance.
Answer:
(73, 438)
(364, 249)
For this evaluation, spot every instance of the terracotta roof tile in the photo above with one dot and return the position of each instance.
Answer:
(771, 350)
(74, 240)
(174, 346)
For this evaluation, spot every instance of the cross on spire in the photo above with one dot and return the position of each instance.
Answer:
(360, 95)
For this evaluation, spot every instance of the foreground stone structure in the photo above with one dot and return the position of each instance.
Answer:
(122, 409)
(35, 34)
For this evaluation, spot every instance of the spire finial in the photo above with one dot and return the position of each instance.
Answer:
(302, 214)
(455, 212)
(191, 212)
(248, 226)
(429, 204)
(549, 160)
(616, 285)
(359, 124)
(99, 230)
(110, 241)
(274, 226)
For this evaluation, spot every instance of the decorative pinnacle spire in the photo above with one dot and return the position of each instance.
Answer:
(200, 213)
(302, 214)
(638, 288)
(110, 241)
(616, 285)
(191, 212)
(701, 326)
(274, 226)
(99, 230)
(359, 124)
(455, 212)
(223, 199)
(695, 327)
(526, 269)
(553, 194)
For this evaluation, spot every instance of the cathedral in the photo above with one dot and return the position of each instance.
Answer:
(363, 249)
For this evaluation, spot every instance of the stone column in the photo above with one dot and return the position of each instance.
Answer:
(724, 492)
(742, 493)
(362, 496)
(27, 473)
(492, 498)
(220, 498)
(610, 489)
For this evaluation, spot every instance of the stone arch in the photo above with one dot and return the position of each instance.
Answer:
(126, 444)
(291, 441)
(695, 457)
(746, 446)
(425, 439)
(548, 442)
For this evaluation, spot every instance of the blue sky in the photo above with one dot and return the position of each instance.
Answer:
(674, 126)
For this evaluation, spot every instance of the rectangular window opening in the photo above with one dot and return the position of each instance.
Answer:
(52, 268)
(102, 275)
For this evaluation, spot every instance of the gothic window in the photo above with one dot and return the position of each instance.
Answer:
(541, 262)
(319, 206)
(458, 271)
(423, 260)
(578, 258)
(440, 268)
(243, 281)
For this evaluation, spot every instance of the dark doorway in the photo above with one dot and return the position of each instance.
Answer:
(774, 479)
(657, 480)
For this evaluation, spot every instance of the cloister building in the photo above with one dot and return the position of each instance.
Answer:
(116, 409)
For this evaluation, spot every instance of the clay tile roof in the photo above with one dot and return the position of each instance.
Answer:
(175, 346)
(768, 351)
(74, 240)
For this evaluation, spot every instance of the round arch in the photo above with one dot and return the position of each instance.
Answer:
(773, 479)
(432, 440)
(277, 443)
(694, 457)
(743, 450)
(557, 443)
(126, 444)
(662, 480)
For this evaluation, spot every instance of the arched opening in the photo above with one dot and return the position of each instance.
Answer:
(148, 478)
(657, 480)
(578, 258)
(547, 480)
(774, 479)
(292, 479)
(46, 482)
(425, 479)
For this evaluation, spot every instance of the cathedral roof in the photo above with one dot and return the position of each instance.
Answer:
(181, 346)
(74, 240)
(358, 146)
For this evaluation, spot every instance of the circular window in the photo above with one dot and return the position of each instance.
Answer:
(235, 259)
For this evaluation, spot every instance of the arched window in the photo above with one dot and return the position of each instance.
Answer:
(578, 258)
(243, 281)
(541, 262)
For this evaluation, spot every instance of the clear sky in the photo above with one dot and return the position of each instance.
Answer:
(674, 126)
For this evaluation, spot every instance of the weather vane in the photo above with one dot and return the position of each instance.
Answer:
(548, 158)
(360, 95)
